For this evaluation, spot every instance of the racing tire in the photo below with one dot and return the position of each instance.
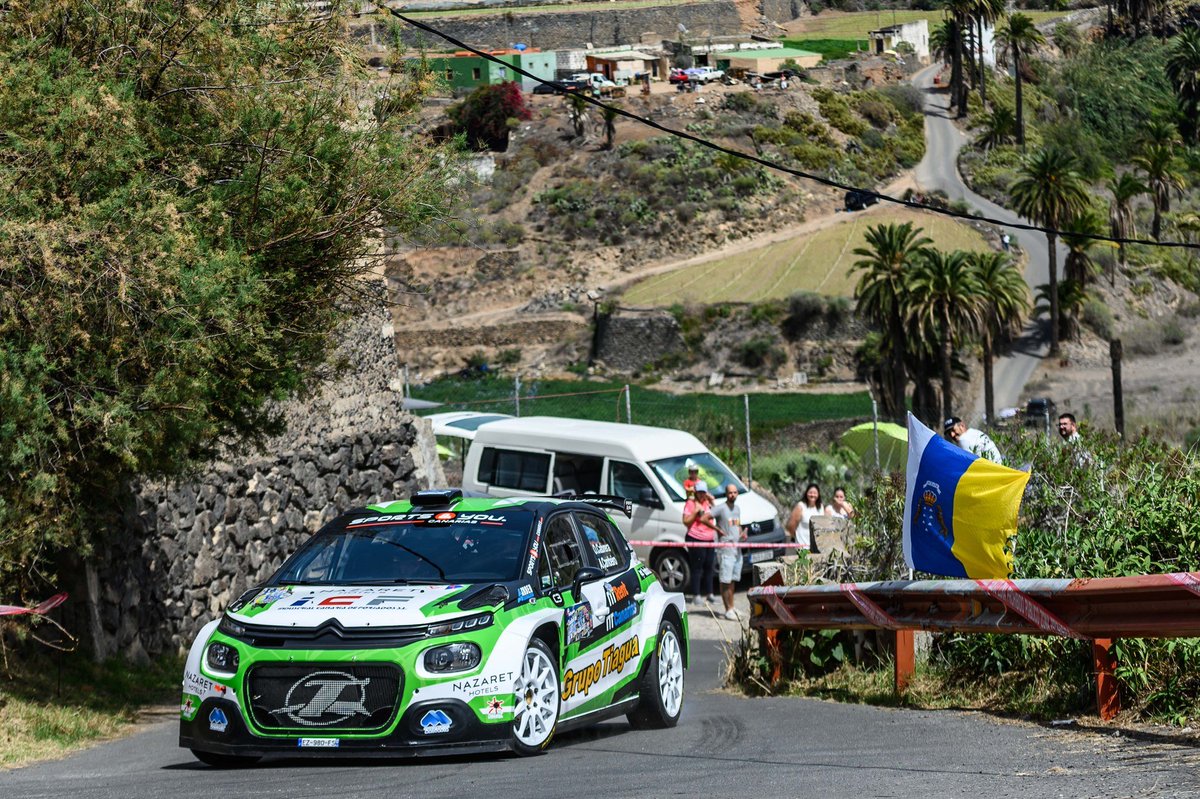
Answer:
(225, 761)
(673, 570)
(536, 700)
(661, 686)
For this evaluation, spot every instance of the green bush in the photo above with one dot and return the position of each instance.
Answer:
(837, 112)
(1098, 317)
(761, 352)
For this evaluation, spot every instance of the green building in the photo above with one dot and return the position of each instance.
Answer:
(464, 71)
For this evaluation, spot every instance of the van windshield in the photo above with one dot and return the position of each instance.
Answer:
(673, 471)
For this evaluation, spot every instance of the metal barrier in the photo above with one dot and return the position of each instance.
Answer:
(1100, 609)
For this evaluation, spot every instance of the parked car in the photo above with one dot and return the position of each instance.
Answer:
(858, 200)
(678, 76)
(566, 86)
(439, 623)
(706, 74)
(1041, 412)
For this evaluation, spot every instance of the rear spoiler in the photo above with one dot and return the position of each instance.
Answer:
(609, 501)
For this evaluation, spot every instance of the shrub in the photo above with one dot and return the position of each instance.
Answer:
(1098, 317)
(878, 112)
(749, 103)
(760, 352)
(485, 113)
(906, 98)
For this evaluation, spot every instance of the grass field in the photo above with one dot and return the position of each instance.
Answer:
(812, 262)
(830, 49)
(857, 24)
(553, 8)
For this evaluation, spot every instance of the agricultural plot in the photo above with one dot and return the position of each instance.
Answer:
(817, 261)
(856, 25)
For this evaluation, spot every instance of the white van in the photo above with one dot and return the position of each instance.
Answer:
(540, 455)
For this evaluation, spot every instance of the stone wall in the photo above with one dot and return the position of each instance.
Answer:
(191, 546)
(628, 340)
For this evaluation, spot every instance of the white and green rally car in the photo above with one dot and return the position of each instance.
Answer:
(439, 624)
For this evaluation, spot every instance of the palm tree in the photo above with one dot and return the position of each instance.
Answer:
(610, 125)
(1018, 35)
(1079, 265)
(577, 108)
(1158, 162)
(1121, 221)
(999, 128)
(1070, 298)
(1005, 305)
(946, 304)
(987, 12)
(1183, 68)
(882, 293)
(1049, 191)
(960, 10)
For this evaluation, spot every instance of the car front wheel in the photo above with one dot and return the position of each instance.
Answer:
(536, 700)
(661, 686)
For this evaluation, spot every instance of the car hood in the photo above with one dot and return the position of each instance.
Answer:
(353, 606)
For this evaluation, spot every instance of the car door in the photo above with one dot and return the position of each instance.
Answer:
(603, 643)
(627, 480)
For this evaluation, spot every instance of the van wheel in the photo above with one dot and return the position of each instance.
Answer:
(672, 568)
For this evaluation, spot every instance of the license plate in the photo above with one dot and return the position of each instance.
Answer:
(322, 743)
(760, 555)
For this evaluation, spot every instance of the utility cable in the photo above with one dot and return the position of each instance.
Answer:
(769, 164)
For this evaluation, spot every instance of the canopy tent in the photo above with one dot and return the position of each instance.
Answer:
(893, 444)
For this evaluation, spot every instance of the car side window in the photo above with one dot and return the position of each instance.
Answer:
(605, 543)
(563, 547)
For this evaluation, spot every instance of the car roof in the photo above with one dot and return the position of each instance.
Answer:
(560, 433)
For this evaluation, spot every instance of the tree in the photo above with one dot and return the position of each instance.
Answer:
(1071, 296)
(486, 115)
(999, 128)
(1048, 191)
(610, 125)
(946, 305)
(1157, 161)
(1079, 265)
(986, 12)
(881, 295)
(1183, 68)
(1005, 304)
(577, 109)
(1121, 222)
(187, 202)
(961, 11)
(1018, 34)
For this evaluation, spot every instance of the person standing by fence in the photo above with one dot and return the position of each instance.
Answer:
(799, 527)
(698, 519)
(729, 559)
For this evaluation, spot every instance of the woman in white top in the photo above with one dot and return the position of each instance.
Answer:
(840, 507)
(799, 523)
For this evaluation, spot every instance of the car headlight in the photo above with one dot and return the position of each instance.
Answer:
(452, 657)
(231, 627)
(221, 657)
(460, 625)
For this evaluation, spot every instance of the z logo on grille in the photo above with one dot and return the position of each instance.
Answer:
(324, 698)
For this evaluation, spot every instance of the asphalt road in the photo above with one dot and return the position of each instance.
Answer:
(939, 170)
(725, 745)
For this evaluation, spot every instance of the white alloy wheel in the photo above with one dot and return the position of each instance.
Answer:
(670, 672)
(536, 701)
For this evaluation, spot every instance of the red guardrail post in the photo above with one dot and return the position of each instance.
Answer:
(905, 660)
(1108, 700)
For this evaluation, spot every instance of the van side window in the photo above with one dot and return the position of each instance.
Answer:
(507, 468)
(607, 546)
(578, 474)
(627, 480)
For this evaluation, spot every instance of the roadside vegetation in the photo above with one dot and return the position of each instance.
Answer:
(1131, 507)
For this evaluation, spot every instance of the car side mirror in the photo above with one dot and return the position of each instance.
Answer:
(648, 498)
(586, 574)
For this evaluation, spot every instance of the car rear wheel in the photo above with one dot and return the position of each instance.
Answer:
(671, 566)
(662, 683)
(535, 701)
(225, 761)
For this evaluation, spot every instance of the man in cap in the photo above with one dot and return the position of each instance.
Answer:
(970, 439)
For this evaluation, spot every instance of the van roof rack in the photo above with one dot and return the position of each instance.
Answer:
(610, 501)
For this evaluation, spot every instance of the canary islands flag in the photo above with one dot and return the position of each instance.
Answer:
(960, 510)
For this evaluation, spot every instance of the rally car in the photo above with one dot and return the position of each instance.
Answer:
(439, 624)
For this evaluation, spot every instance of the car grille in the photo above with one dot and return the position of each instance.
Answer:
(324, 696)
(761, 528)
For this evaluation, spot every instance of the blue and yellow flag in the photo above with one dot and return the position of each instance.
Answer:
(960, 510)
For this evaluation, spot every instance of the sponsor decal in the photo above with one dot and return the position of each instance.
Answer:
(495, 706)
(217, 721)
(220, 689)
(525, 592)
(579, 622)
(612, 660)
(270, 596)
(533, 550)
(444, 517)
(194, 683)
(320, 743)
(620, 616)
(324, 698)
(441, 516)
(356, 601)
(608, 561)
(189, 707)
(484, 684)
(436, 722)
(556, 596)
(643, 571)
(616, 592)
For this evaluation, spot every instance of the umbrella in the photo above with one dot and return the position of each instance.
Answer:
(893, 444)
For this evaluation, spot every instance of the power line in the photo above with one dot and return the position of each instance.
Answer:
(711, 145)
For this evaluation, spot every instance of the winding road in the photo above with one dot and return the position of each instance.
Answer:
(939, 170)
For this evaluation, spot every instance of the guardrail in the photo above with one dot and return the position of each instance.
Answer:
(1100, 609)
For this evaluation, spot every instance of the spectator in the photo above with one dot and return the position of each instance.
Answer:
(698, 519)
(799, 527)
(840, 507)
(1006, 241)
(1069, 430)
(689, 485)
(970, 439)
(729, 559)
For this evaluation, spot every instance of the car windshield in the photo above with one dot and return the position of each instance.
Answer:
(421, 547)
(673, 471)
